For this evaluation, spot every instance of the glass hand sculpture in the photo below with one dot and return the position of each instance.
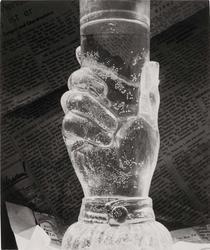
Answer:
(114, 152)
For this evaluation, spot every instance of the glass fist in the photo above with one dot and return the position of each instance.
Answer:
(110, 129)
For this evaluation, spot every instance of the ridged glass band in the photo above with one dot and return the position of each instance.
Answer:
(115, 210)
(139, 8)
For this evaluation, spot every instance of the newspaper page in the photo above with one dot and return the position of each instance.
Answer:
(197, 234)
(39, 41)
(181, 179)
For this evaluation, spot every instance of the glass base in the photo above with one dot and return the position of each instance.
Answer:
(117, 224)
(149, 235)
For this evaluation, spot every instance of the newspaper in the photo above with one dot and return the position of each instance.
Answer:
(38, 43)
(181, 177)
(197, 234)
(194, 238)
(38, 55)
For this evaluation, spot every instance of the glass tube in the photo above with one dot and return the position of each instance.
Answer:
(116, 34)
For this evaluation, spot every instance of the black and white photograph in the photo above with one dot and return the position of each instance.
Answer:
(105, 126)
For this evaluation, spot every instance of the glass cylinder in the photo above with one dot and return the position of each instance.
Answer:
(116, 34)
(115, 37)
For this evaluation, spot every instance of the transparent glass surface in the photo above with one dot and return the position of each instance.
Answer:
(112, 146)
(111, 129)
(92, 236)
(115, 36)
